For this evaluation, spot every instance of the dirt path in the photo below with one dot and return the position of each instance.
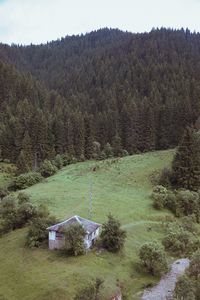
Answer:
(164, 289)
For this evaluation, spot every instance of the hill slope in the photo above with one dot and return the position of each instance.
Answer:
(121, 187)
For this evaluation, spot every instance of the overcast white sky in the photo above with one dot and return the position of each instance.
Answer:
(38, 21)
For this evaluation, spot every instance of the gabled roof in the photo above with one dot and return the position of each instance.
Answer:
(88, 225)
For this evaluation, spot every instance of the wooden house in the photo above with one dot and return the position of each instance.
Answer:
(56, 232)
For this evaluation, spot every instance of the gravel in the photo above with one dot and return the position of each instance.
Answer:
(165, 288)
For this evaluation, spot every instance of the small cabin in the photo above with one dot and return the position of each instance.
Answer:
(56, 232)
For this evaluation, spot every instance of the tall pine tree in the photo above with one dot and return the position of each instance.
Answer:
(186, 163)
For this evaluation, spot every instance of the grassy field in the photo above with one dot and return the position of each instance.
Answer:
(121, 187)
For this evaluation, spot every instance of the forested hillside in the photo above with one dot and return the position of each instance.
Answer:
(134, 91)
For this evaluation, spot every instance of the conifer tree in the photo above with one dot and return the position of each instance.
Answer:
(186, 163)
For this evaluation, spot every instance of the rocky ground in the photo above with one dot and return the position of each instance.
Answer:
(165, 288)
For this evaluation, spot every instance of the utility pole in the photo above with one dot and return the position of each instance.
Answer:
(90, 199)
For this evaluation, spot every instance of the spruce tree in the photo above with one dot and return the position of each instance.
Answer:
(186, 163)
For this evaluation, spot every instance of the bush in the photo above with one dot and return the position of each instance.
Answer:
(108, 150)
(96, 151)
(37, 232)
(153, 258)
(194, 268)
(16, 214)
(23, 198)
(159, 196)
(179, 241)
(189, 223)
(112, 236)
(58, 161)
(74, 240)
(47, 169)
(3, 192)
(28, 179)
(187, 203)
(182, 203)
(185, 289)
(25, 212)
(8, 214)
(90, 292)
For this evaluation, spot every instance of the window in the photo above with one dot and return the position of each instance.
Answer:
(59, 235)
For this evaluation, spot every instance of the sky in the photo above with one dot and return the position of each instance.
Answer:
(39, 21)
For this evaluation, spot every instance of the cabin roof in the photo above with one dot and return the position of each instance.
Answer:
(88, 225)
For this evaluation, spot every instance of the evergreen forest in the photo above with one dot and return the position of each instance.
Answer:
(108, 88)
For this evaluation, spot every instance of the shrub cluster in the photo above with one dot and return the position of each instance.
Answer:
(153, 258)
(19, 212)
(47, 168)
(92, 291)
(180, 239)
(37, 234)
(180, 202)
(15, 212)
(25, 180)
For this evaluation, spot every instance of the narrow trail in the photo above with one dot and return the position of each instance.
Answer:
(165, 288)
(137, 223)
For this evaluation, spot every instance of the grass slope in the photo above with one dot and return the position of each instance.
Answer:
(122, 188)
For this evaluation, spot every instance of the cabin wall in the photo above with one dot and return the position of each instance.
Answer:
(55, 242)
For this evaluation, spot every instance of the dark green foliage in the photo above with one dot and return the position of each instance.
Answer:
(183, 203)
(159, 196)
(16, 212)
(153, 258)
(112, 236)
(37, 233)
(180, 202)
(138, 98)
(74, 240)
(28, 179)
(3, 192)
(91, 292)
(194, 268)
(189, 223)
(185, 289)
(186, 164)
(23, 198)
(25, 158)
(108, 151)
(165, 177)
(47, 169)
(179, 241)
(96, 150)
(8, 214)
(58, 162)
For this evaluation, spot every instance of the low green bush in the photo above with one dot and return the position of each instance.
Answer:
(58, 161)
(159, 196)
(27, 179)
(47, 169)
(179, 241)
(153, 258)
(37, 233)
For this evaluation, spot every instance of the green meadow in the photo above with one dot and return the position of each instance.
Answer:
(118, 186)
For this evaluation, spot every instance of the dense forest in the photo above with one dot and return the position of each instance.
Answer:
(136, 92)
